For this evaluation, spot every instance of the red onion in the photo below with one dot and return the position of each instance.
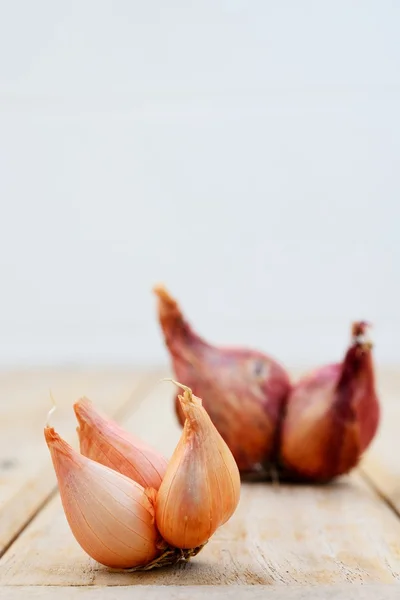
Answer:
(243, 390)
(332, 415)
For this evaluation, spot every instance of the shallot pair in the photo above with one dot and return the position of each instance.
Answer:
(314, 429)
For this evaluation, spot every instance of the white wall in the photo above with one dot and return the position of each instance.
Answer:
(245, 153)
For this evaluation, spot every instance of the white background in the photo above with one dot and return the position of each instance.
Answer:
(246, 153)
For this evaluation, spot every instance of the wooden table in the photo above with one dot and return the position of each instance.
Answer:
(284, 542)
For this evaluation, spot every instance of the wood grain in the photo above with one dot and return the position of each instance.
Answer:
(279, 536)
(381, 466)
(232, 592)
(26, 477)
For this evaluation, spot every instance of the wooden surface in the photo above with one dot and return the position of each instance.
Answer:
(336, 541)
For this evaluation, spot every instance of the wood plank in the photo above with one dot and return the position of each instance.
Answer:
(26, 476)
(285, 535)
(381, 465)
(232, 592)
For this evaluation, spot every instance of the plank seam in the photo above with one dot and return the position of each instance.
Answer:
(26, 523)
(377, 490)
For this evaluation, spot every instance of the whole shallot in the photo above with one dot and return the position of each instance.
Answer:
(243, 391)
(332, 415)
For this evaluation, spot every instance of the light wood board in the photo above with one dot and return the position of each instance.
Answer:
(223, 592)
(345, 534)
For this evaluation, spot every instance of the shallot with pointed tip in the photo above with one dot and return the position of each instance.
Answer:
(106, 442)
(332, 415)
(110, 515)
(243, 391)
(201, 488)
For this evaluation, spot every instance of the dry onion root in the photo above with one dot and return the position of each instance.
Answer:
(170, 556)
(122, 524)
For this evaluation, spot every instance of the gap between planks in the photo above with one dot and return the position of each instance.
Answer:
(395, 507)
(380, 467)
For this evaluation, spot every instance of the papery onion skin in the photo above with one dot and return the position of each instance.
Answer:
(243, 391)
(201, 488)
(110, 515)
(104, 441)
(332, 415)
